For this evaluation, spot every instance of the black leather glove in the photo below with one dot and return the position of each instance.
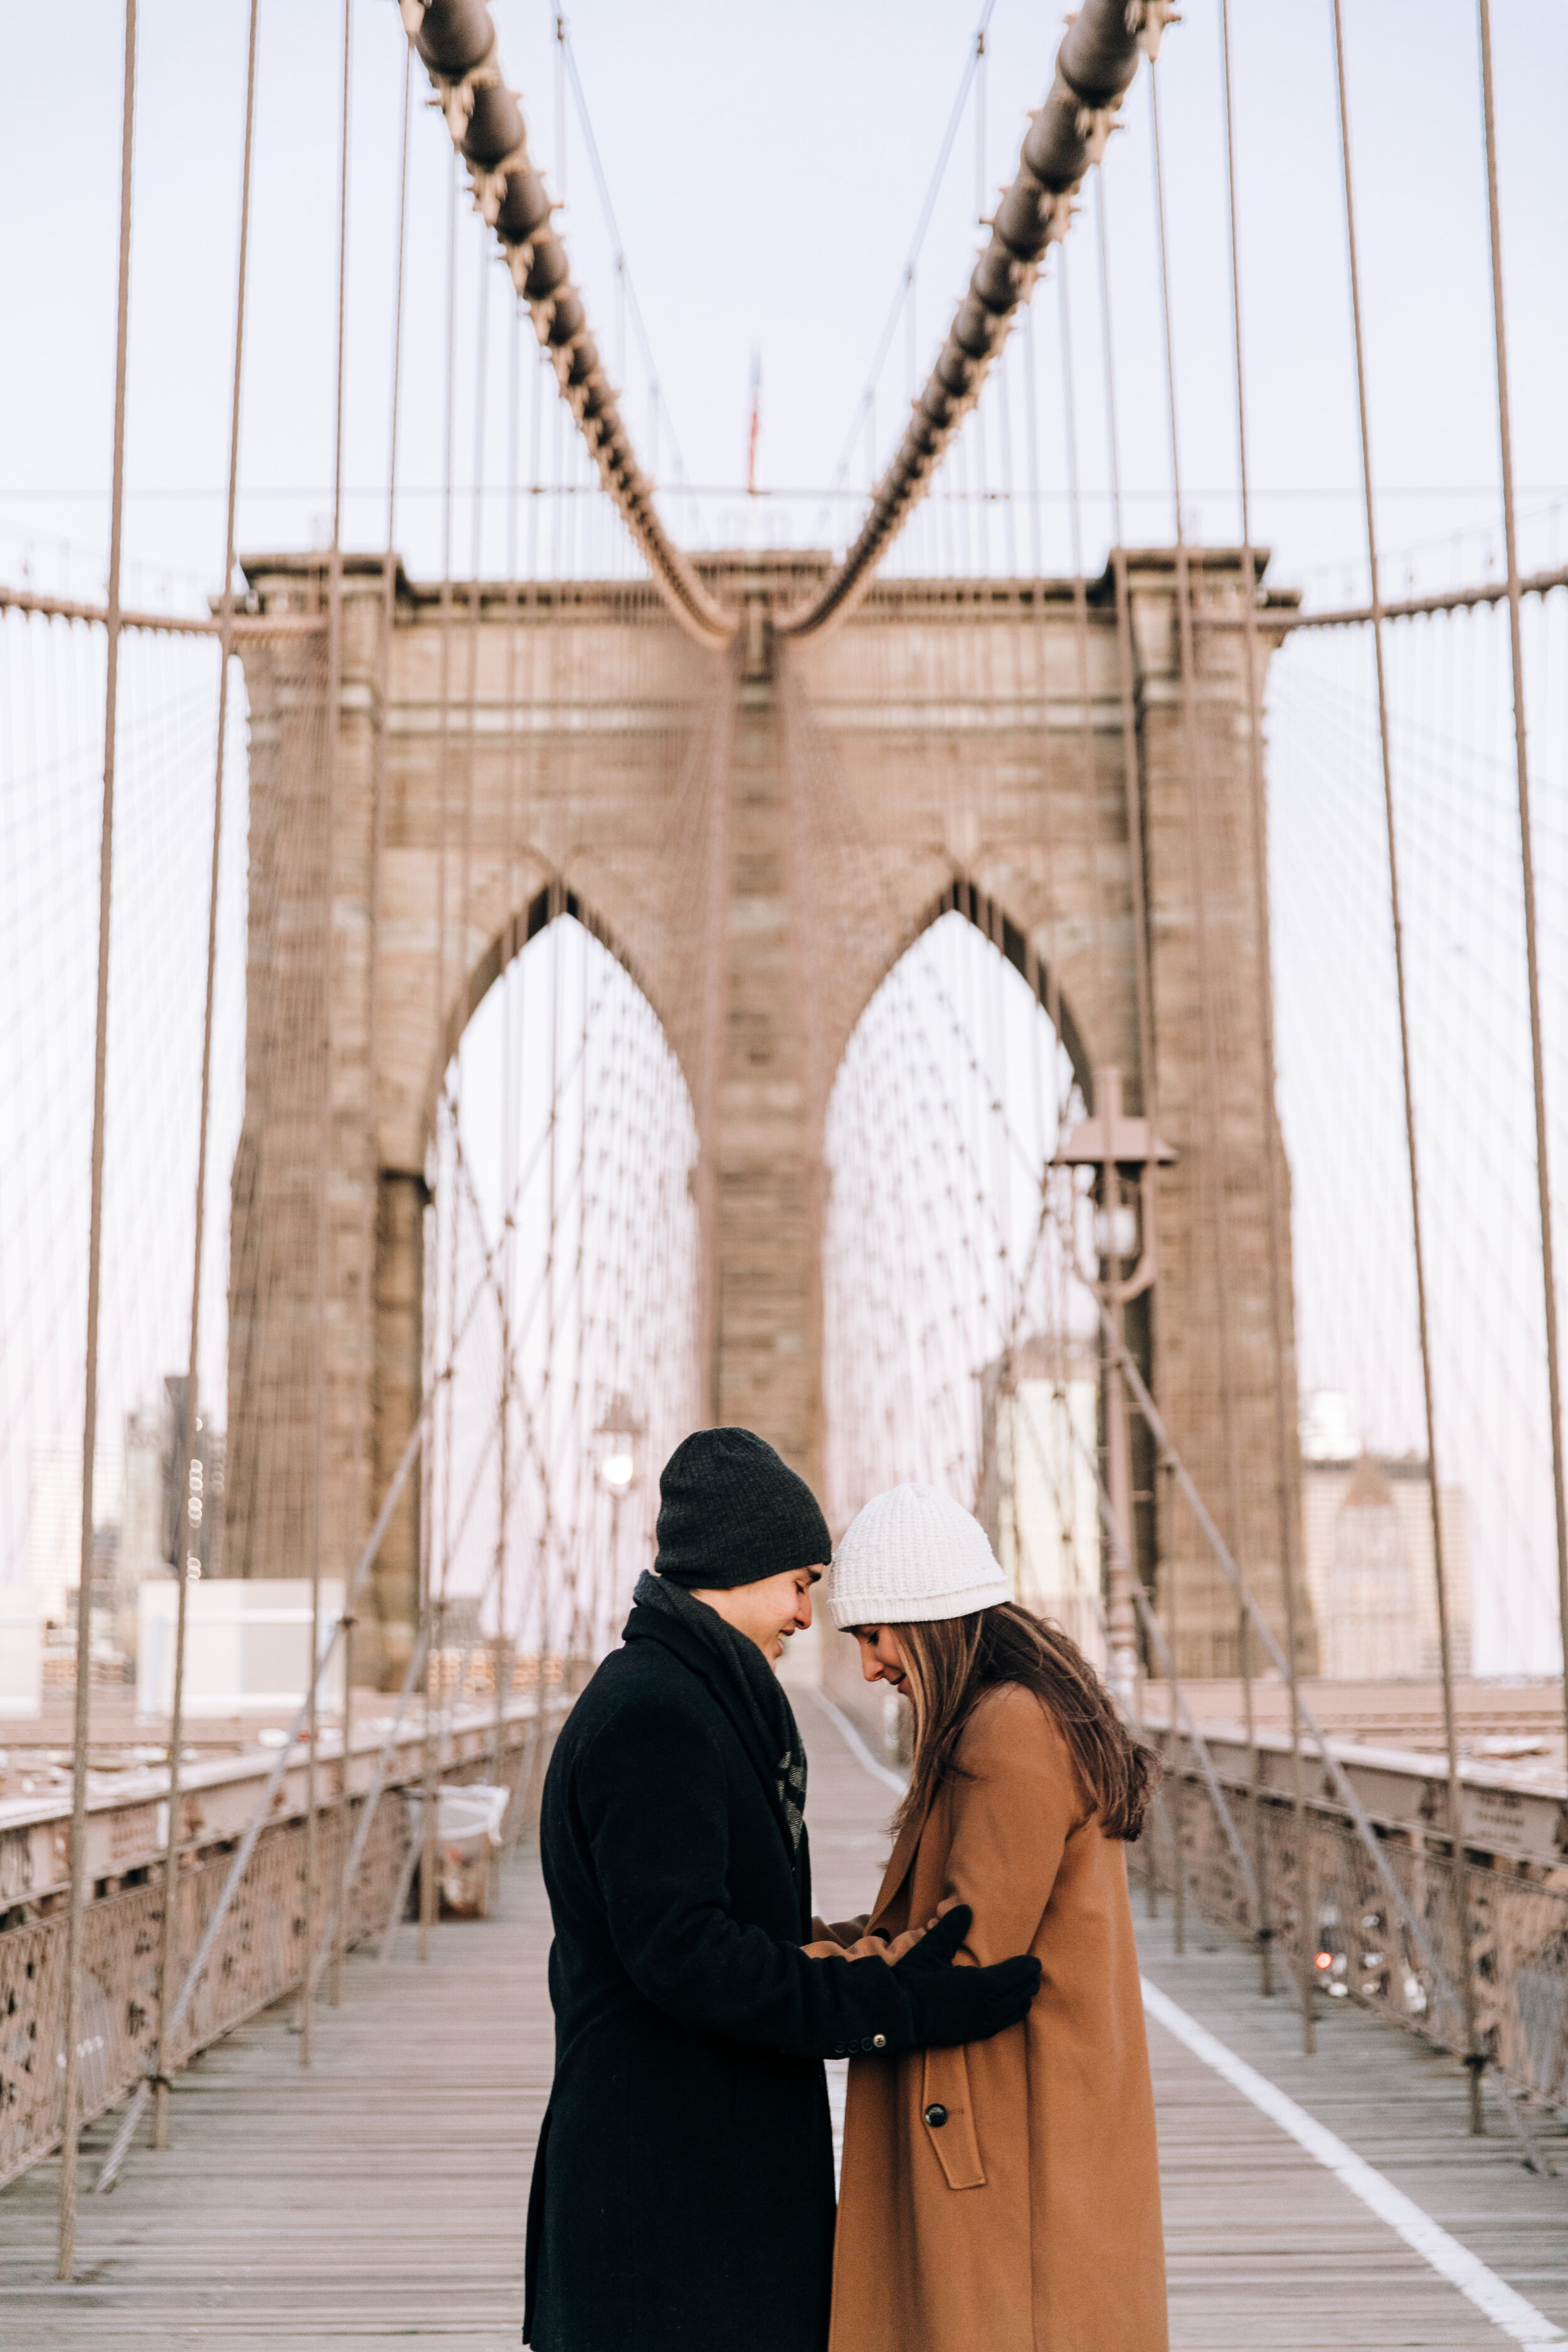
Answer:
(952, 2005)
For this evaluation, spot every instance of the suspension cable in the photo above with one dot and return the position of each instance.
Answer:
(1132, 783)
(1095, 66)
(1475, 2057)
(1264, 954)
(188, 1416)
(457, 41)
(430, 1605)
(904, 298)
(501, 1669)
(71, 2085)
(319, 1533)
(1526, 849)
(371, 1173)
(1216, 1155)
(625, 285)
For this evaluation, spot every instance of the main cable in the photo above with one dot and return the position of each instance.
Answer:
(1095, 68)
(457, 43)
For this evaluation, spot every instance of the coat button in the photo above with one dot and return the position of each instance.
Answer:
(840, 2052)
(879, 2041)
(936, 2116)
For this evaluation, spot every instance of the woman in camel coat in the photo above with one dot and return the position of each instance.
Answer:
(1003, 2196)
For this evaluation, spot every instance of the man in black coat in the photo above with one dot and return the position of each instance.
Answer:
(682, 2196)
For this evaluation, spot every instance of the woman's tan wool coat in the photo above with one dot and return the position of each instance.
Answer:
(1029, 2221)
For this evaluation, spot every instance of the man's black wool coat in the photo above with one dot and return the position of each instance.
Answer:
(683, 2184)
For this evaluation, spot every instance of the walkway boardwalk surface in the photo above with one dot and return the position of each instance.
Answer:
(381, 2197)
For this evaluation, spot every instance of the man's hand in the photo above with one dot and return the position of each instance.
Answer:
(952, 2005)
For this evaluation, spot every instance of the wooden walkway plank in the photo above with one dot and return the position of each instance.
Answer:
(380, 2198)
(1250, 2219)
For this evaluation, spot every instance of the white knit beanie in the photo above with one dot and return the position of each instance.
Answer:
(911, 1557)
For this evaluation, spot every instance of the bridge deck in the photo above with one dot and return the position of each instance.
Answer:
(381, 2197)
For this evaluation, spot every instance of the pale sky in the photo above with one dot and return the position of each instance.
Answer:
(767, 168)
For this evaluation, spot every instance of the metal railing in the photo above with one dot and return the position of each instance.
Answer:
(258, 1956)
(1469, 1952)
(1333, 1916)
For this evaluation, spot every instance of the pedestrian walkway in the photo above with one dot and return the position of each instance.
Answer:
(379, 2198)
(1266, 2247)
(376, 2199)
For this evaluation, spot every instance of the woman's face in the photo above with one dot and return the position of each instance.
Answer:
(881, 1660)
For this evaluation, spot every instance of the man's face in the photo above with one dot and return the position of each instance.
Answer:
(767, 1613)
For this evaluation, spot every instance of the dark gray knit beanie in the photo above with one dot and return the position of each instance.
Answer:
(732, 1511)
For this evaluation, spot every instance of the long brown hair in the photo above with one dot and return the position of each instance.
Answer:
(949, 1665)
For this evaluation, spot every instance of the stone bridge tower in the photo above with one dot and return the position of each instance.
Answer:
(758, 835)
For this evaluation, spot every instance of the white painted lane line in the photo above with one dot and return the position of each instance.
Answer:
(857, 1747)
(1502, 2305)
(838, 2073)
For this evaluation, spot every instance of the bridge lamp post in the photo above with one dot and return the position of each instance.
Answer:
(1124, 1153)
(618, 1436)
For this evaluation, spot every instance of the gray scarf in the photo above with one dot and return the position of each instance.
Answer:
(765, 1706)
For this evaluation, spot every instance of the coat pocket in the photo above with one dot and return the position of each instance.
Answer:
(945, 2090)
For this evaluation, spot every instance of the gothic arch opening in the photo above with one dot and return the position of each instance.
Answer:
(958, 1334)
(561, 1288)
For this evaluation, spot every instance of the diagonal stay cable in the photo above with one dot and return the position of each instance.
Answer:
(1157, 1643)
(361, 1568)
(623, 272)
(966, 81)
(1343, 1790)
(262, 1810)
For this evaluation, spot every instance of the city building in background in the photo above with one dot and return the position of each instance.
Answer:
(1367, 1532)
(142, 1521)
(1038, 1502)
(21, 1652)
(192, 1522)
(144, 1516)
(248, 1646)
(54, 1520)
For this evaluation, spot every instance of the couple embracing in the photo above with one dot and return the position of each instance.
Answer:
(1000, 2190)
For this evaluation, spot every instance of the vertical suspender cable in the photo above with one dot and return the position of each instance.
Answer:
(1526, 850)
(475, 618)
(323, 1194)
(1475, 2059)
(509, 1107)
(1132, 780)
(1121, 1615)
(377, 857)
(1080, 636)
(71, 2087)
(1132, 801)
(579, 1306)
(561, 105)
(547, 1386)
(979, 131)
(1275, 1221)
(1132, 796)
(183, 1564)
(1217, 1155)
(433, 1629)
